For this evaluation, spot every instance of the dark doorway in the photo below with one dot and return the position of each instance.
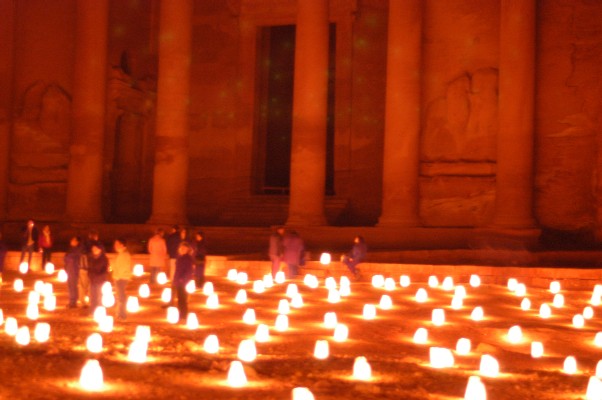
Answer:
(275, 107)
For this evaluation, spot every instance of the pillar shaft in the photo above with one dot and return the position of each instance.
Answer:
(402, 114)
(514, 187)
(310, 97)
(7, 10)
(171, 152)
(84, 186)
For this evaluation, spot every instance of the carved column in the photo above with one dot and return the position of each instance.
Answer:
(171, 158)
(84, 186)
(7, 10)
(514, 186)
(310, 95)
(402, 114)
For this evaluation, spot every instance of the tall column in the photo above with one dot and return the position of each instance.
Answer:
(310, 97)
(171, 152)
(84, 186)
(402, 114)
(7, 10)
(514, 186)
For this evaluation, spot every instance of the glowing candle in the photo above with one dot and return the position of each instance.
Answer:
(404, 281)
(594, 389)
(438, 316)
(598, 339)
(106, 288)
(515, 334)
(62, 276)
(448, 283)
(361, 369)
(460, 291)
(242, 278)
(42, 332)
(389, 284)
(161, 278)
(212, 301)
(521, 290)
(236, 375)
(558, 300)
(137, 351)
(441, 357)
(268, 281)
(284, 307)
(247, 350)
(421, 336)
(249, 317)
(11, 326)
(325, 258)
(232, 274)
(50, 303)
(49, 268)
(192, 321)
(32, 311)
(108, 300)
(554, 287)
(570, 365)
(477, 314)
(344, 281)
(281, 323)
(23, 267)
(259, 286)
(22, 337)
(132, 304)
(173, 315)
(345, 290)
(463, 346)
(144, 291)
(578, 321)
(297, 301)
(138, 270)
(18, 285)
(525, 304)
(433, 281)
(545, 311)
(378, 281)
(143, 333)
(341, 333)
(330, 320)
(599, 369)
(91, 377)
(330, 283)
(190, 287)
(475, 281)
(302, 393)
(1, 317)
(369, 311)
(536, 349)
(457, 302)
(310, 281)
(211, 344)
(421, 295)
(475, 389)
(489, 366)
(208, 288)
(321, 349)
(94, 343)
(588, 312)
(241, 296)
(280, 277)
(512, 282)
(262, 334)
(106, 324)
(33, 297)
(385, 302)
(334, 296)
(99, 313)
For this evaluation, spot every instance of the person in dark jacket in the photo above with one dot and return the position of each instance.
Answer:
(200, 256)
(3, 251)
(29, 241)
(45, 244)
(172, 241)
(276, 249)
(293, 253)
(73, 263)
(356, 255)
(98, 272)
(183, 275)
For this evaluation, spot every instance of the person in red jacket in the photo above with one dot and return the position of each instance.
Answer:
(45, 244)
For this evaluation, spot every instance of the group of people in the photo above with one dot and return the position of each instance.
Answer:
(32, 241)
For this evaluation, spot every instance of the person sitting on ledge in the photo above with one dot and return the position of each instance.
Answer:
(356, 255)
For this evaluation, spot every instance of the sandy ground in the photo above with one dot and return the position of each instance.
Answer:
(178, 367)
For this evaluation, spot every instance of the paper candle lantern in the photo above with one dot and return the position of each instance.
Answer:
(212, 301)
(281, 323)
(477, 314)
(259, 286)
(18, 285)
(22, 337)
(302, 393)
(457, 302)
(369, 311)
(433, 281)
(132, 305)
(385, 302)
(389, 284)
(475, 281)
(330, 320)
(236, 375)
(143, 333)
(50, 303)
(62, 276)
(283, 307)
(138, 270)
(521, 290)
(321, 349)
(106, 324)
(280, 277)
(345, 290)
(598, 339)
(421, 295)
(525, 304)
(378, 281)
(536, 349)
(297, 301)
(512, 282)
(232, 274)
(262, 334)
(341, 333)
(190, 287)
(558, 300)
(404, 281)
(247, 350)
(463, 346)
(242, 278)
(137, 351)
(49, 268)
(241, 296)
(268, 281)
(166, 295)
(208, 288)
(334, 296)
(475, 389)
(161, 278)
(99, 313)
(489, 366)
(211, 344)
(447, 284)
(438, 316)
(578, 321)
(173, 315)
(33, 297)
(361, 369)
(545, 311)
(192, 321)
(594, 389)
(41, 332)
(23, 267)
(421, 336)
(32, 311)
(11, 326)
(554, 287)
(249, 317)
(588, 312)
(570, 365)
(144, 291)
(330, 283)
(108, 300)
(325, 258)
(515, 334)
(94, 343)
(441, 357)
(91, 377)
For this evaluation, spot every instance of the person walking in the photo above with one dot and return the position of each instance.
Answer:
(276, 249)
(173, 242)
(294, 253)
(73, 263)
(200, 256)
(29, 240)
(45, 244)
(98, 272)
(157, 249)
(183, 275)
(122, 273)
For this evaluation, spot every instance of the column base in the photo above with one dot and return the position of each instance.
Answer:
(398, 221)
(84, 218)
(514, 223)
(306, 220)
(167, 219)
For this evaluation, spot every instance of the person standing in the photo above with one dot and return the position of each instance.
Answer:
(173, 242)
(122, 273)
(157, 249)
(3, 251)
(45, 244)
(98, 271)
(294, 253)
(29, 241)
(73, 262)
(200, 256)
(182, 275)
(356, 255)
(276, 249)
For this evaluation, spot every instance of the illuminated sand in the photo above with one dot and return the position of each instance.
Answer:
(177, 363)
